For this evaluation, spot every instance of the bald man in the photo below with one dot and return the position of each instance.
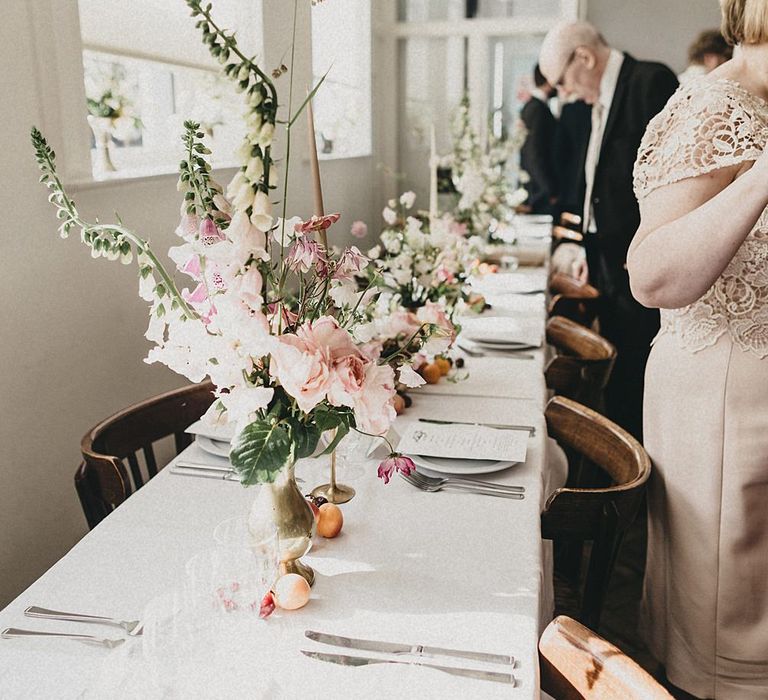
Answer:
(625, 94)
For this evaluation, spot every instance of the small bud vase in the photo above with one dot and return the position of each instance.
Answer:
(283, 504)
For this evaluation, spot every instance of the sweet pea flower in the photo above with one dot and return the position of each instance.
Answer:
(316, 223)
(359, 229)
(395, 463)
(407, 199)
(373, 405)
(390, 216)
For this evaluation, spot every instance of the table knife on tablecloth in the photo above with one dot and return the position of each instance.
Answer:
(416, 650)
(344, 660)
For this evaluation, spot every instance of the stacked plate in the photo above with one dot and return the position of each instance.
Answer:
(466, 467)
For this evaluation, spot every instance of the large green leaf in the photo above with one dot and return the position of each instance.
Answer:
(305, 438)
(341, 431)
(260, 451)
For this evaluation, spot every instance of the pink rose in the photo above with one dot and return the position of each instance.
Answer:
(359, 229)
(301, 371)
(326, 336)
(347, 379)
(373, 405)
(402, 322)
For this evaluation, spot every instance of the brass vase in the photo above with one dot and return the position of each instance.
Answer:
(283, 504)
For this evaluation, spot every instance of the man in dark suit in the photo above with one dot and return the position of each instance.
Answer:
(536, 153)
(571, 139)
(625, 94)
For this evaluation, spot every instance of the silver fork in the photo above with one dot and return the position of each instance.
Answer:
(132, 627)
(15, 633)
(423, 486)
(461, 481)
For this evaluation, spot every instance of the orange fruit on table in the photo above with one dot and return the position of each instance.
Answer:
(331, 520)
(431, 373)
(399, 403)
(443, 364)
(291, 592)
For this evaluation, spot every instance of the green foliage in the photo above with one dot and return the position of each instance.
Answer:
(261, 450)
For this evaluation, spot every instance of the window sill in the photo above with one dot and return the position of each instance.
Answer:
(131, 176)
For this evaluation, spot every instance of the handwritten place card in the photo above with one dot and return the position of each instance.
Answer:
(463, 441)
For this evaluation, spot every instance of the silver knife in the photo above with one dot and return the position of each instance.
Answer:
(497, 426)
(344, 660)
(225, 476)
(204, 467)
(416, 650)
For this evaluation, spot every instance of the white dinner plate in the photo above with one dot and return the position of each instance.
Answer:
(449, 465)
(214, 447)
(502, 344)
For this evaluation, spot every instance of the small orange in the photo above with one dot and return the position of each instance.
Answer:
(443, 364)
(330, 521)
(399, 404)
(431, 373)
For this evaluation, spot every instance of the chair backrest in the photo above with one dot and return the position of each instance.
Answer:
(561, 233)
(589, 510)
(578, 664)
(570, 220)
(575, 300)
(102, 480)
(584, 362)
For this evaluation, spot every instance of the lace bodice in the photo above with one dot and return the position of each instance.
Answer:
(708, 125)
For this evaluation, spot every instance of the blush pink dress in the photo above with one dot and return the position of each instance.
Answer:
(705, 606)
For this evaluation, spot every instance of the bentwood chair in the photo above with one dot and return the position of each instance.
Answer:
(102, 480)
(570, 220)
(577, 664)
(598, 506)
(583, 363)
(573, 299)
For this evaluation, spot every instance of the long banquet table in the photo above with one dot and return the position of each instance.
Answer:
(446, 569)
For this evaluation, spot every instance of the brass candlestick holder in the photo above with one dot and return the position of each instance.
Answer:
(333, 492)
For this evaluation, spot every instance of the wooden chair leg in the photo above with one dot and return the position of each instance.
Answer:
(601, 563)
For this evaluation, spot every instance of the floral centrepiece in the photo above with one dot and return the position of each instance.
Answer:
(487, 180)
(262, 314)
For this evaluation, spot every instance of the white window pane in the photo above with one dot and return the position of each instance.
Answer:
(426, 10)
(341, 46)
(431, 84)
(511, 60)
(517, 8)
(143, 104)
(146, 71)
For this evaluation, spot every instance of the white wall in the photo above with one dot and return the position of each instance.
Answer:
(658, 30)
(72, 328)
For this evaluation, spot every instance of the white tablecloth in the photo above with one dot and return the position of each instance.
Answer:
(445, 569)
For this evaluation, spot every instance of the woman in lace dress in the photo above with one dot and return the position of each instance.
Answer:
(701, 256)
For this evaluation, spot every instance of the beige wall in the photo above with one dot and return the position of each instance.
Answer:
(658, 30)
(72, 328)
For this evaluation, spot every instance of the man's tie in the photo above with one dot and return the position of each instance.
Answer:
(593, 155)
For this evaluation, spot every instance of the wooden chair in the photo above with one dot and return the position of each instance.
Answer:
(577, 664)
(573, 299)
(102, 480)
(570, 220)
(603, 505)
(584, 362)
(561, 233)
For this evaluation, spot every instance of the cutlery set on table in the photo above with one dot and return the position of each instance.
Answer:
(412, 655)
(131, 628)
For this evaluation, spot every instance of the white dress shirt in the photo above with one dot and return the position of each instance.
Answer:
(600, 112)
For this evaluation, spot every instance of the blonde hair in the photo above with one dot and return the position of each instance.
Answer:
(745, 21)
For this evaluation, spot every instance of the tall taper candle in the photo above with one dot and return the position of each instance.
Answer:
(315, 169)
(432, 174)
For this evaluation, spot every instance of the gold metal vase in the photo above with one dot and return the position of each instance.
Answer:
(283, 504)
